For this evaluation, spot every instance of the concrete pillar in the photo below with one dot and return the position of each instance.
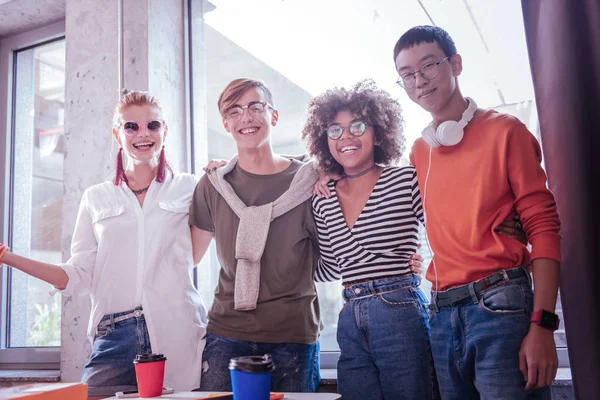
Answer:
(152, 57)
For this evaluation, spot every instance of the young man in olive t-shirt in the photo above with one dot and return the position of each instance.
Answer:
(285, 321)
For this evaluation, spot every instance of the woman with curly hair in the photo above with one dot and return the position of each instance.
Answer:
(368, 229)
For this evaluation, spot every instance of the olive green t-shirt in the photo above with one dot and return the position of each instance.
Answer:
(287, 310)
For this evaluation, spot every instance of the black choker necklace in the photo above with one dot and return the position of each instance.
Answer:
(140, 191)
(366, 171)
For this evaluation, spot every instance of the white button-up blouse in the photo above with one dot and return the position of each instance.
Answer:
(125, 256)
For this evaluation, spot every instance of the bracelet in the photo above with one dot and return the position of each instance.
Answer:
(3, 250)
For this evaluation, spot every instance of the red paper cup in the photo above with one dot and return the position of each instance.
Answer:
(150, 374)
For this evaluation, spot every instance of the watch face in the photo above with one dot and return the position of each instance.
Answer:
(549, 320)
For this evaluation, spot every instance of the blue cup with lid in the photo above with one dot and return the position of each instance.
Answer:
(251, 377)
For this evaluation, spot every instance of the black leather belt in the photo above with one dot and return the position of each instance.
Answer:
(452, 296)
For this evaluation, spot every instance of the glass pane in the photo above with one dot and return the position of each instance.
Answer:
(37, 192)
(300, 50)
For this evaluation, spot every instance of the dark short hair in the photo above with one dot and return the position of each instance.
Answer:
(365, 100)
(236, 89)
(427, 34)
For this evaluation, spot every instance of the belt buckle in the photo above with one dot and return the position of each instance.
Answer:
(485, 282)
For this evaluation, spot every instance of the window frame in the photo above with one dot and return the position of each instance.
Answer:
(17, 357)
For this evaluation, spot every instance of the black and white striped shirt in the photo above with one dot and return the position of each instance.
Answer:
(383, 238)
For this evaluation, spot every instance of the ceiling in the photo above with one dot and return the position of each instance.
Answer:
(18, 16)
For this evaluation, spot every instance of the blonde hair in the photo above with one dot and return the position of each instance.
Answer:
(236, 89)
(133, 98)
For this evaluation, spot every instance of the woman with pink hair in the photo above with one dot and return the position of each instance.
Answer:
(133, 254)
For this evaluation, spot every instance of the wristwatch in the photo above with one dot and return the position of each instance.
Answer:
(545, 319)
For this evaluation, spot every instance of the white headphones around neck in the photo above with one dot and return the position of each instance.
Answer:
(449, 133)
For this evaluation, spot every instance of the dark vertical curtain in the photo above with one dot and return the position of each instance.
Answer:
(563, 38)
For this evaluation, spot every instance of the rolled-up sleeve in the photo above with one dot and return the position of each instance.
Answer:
(84, 247)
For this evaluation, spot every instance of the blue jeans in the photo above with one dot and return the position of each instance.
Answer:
(476, 344)
(110, 367)
(384, 341)
(296, 365)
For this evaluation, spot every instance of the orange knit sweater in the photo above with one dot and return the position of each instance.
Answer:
(472, 188)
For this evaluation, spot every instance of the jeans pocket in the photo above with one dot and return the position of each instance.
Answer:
(402, 297)
(102, 331)
(504, 300)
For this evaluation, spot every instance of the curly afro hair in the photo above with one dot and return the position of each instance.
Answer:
(367, 101)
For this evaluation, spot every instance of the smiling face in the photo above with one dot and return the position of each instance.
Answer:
(145, 144)
(251, 129)
(435, 94)
(353, 153)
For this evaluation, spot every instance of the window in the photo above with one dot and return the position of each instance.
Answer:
(302, 48)
(36, 206)
(32, 162)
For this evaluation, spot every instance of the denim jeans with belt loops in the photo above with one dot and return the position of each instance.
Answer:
(383, 335)
(476, 343)
(110, 367)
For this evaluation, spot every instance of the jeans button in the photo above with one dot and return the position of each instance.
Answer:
(137, 313)
(357, 291)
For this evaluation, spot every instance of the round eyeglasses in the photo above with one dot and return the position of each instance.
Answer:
(428, 71)
(255, 108)
(131, 128)
(357, 128)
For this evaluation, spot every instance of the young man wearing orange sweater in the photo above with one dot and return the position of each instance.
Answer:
(491, 336)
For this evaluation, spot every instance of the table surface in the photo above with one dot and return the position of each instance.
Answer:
(288, 396)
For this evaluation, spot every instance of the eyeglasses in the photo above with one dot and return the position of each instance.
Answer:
(428, 71)
(357, 128)
(254, 108)
(132, 128)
